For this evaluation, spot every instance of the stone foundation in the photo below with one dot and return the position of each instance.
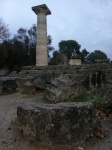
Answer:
(57, 123)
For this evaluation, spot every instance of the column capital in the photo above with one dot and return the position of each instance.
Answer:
(41, 9)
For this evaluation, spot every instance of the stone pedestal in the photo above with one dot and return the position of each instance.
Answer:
(75, 61)
(57, 123)
(41, 46)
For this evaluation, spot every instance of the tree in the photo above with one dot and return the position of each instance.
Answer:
(49, 42)
(4, 31)
(84, 53)
(49, 47)
(97, 54)
(32, 45)
(27, 40)
(21, 49)
(3, 54)
(70, 48)
(32, 34)
(53, 59)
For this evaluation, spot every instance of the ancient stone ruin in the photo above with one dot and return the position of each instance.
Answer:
(56, 122)
(62, 59)
(41, 46)
(75, 60)
(59, 84)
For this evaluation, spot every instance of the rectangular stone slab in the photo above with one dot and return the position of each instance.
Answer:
(57, 123)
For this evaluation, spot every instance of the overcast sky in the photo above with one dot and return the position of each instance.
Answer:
(89, 22)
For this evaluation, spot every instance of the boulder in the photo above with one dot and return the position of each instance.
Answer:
(42, 80)
(7, 85)
(63, 88)
(57, 123)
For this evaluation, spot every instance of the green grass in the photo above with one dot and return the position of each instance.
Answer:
(98, 101)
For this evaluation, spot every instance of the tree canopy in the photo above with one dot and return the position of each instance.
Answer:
(84, 53)
(53, 58)
(69, 47)
(4, 31)
(97, 54)
(21, 49)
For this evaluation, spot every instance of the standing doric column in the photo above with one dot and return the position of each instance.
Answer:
(41, 46)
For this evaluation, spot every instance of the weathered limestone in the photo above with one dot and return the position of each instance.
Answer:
(62, 59)
(57, 123)
(23, 80)
(69, 86)
(7, 85)
(90, 77)
(41, 46)
(42, 81)
(75, 61)
(64, 88)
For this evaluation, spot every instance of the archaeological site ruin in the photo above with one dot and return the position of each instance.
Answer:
(62, 116)
(41, 47)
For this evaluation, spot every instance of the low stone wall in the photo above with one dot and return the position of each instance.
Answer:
(57, 123)
(90, 76)
(93, 75)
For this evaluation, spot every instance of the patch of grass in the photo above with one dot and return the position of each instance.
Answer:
(81, 98)
(98, 101)
(86, 97)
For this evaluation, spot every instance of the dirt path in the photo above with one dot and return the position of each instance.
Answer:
(11, 139)
(8, 105)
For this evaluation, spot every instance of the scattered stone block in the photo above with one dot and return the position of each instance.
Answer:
(57, 123)
(42, 80)
(7, 85)
(63, 88)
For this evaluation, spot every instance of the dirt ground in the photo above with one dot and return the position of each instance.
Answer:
(11, 138)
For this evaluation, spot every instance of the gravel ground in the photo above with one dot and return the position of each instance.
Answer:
(11, 138)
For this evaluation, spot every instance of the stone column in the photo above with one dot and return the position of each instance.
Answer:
(41, 46)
